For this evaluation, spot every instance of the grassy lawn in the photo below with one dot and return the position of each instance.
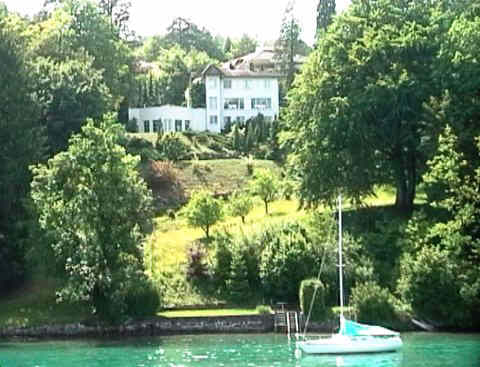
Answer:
(210, 312)
(34, 304)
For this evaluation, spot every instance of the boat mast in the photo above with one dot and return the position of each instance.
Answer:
(340, 261)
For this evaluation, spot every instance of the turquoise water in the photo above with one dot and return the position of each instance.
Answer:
(266, 350)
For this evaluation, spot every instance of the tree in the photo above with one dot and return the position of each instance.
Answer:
(288, 44)
(68, 92)
(22, 143)
(243, 46)
(265, 185)
(240, 205)
(325, 13)
(189, 36)
(203, 211)
(96, 209)
(356, 112)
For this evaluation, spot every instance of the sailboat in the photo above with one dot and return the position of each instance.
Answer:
(352, 337)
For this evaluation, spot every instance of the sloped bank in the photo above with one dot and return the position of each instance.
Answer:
(150, 327)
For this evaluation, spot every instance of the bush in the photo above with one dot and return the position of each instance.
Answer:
(142, 299)
(287, 258)
(197, 270)
(374, 304)
(235, 266)
(171, 147)
(263, 310)
(319, 309)
(141, 147)
(428, 281)
(161, 173)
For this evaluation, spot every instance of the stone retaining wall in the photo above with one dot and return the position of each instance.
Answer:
(155, 326)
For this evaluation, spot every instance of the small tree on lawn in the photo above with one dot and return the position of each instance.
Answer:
(241, 204)
(97, 210)
(265, 185)
(203, 211)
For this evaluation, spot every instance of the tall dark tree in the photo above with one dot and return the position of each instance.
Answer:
(21, 144)
(288, 44)
(118, 11)
(325, 13)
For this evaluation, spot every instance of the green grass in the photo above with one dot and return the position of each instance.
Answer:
(210, 312)
(34, 304)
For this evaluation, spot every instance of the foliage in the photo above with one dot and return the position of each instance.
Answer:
(96, 208)
(242, 47)
(240, 204)
(22, 143)
(69, 92)
(235, 265)
(288, 44)
(446, 262)
(203, 211)
(377, 55)
(313, 290)
(171, 147)
(197, 270)
(374, 304)
(325, 13)
(265, 185)
(287, 258)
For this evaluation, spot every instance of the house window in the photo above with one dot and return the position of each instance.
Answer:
(187, 125)
(234, 104)
(261, 103)
(157, 126)
(212, 83)
(212, 103)
(240, 119)
(168, 124)
(268, 83)
(227, 120)
(146, 126)
(227, 83)
(248, 84)
(178, 125)
(213, 120)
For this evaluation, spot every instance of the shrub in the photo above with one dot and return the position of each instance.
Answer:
(138, 146)
(142, 299)
(309, 288)
(197, 269)
(171, 147)
(161, 173)
(373, 304)
(263, 310)
(287, 258)
(428, 281)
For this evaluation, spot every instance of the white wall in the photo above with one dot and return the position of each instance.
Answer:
(168, 115)
(257, 89)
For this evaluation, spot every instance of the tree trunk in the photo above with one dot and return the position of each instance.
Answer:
(406, 181)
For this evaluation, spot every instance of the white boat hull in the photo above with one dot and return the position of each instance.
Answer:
(339, 344)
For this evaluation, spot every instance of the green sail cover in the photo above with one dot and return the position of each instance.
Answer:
(351, 328)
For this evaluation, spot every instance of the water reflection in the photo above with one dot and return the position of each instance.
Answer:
(353, 360)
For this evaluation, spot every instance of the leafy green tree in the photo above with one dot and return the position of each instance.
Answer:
(325, 13)
(189, 36)
(356, 112)
(240, 205)
(96, 209)
(265, 185)
(22, 143)
(243, 46)
(69, 92)
(203, 211)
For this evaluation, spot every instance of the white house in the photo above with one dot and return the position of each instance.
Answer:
(235, 91)
(168, 118)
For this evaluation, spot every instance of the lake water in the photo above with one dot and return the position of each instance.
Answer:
(266, 350)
